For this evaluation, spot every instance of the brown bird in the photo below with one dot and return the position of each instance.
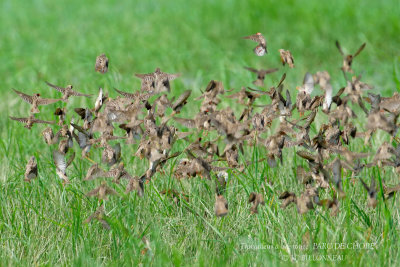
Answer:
(378, 120)
(160, 105)
(87, 117)
(101, 64)
(31, 170)
(175, 195)
(220, 182)
(102, 192)
(305, 201)
(261, 74)
(99, 215)
(261, 48)
(349, 131)
(243, 95)
(178, 104)
(256, 199)
(307, 155)
(286, 58)
(221, 206)
(157, 81)
(111, 154)
(100, 100)
(36, 100)
(303, 98)
(136, 183)
(61, 113)
(30, 121)
(385, 152)
(49, 136)
(350, 156)
(327, 98)
(137, 96)
(348, 59)
(337, 177)
(303, 176)
(117, 172)
(288, 198)
(391, 104)
(133, 132)
(193, 167)
(322, 78)
(389, 191)
(329, 204)
(200, 121)
(67, 91)
(372, 194)
(62, 165)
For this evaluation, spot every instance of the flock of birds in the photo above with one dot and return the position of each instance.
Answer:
(153, 134)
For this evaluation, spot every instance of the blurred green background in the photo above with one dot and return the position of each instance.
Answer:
(58, 41)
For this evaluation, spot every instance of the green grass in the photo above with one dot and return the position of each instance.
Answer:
(41, 222)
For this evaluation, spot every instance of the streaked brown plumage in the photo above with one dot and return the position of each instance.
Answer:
(100, 216)
(348, 59)
(156, 81)
(286, 58)
(261, 73)
(29, 121)
(175, 195)
(372, 193)
(101, 64)
(221, 206)
(261, 48)
(31, 170)
(67, 91)
(102, 192)
(257, 199)
(35, 100)
(62, 165)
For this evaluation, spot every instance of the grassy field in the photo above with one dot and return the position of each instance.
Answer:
(41, 222)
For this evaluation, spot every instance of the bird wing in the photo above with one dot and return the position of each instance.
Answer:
(168, 76)
(336, 170)
(251, 69)
(58, 88)
(185, 122)
(110, 191)
(306, 155)
(47, 101)
(281, 81)
(127, 95)
(71, 159)
(339, 48)
(24, 120)
(42, 121)
(93, 172)
(360, 49)
(146, 77)
(181, 99)
(59, 161)
(75, 93)
(93, 192)
(270, 70)
(25, 97)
